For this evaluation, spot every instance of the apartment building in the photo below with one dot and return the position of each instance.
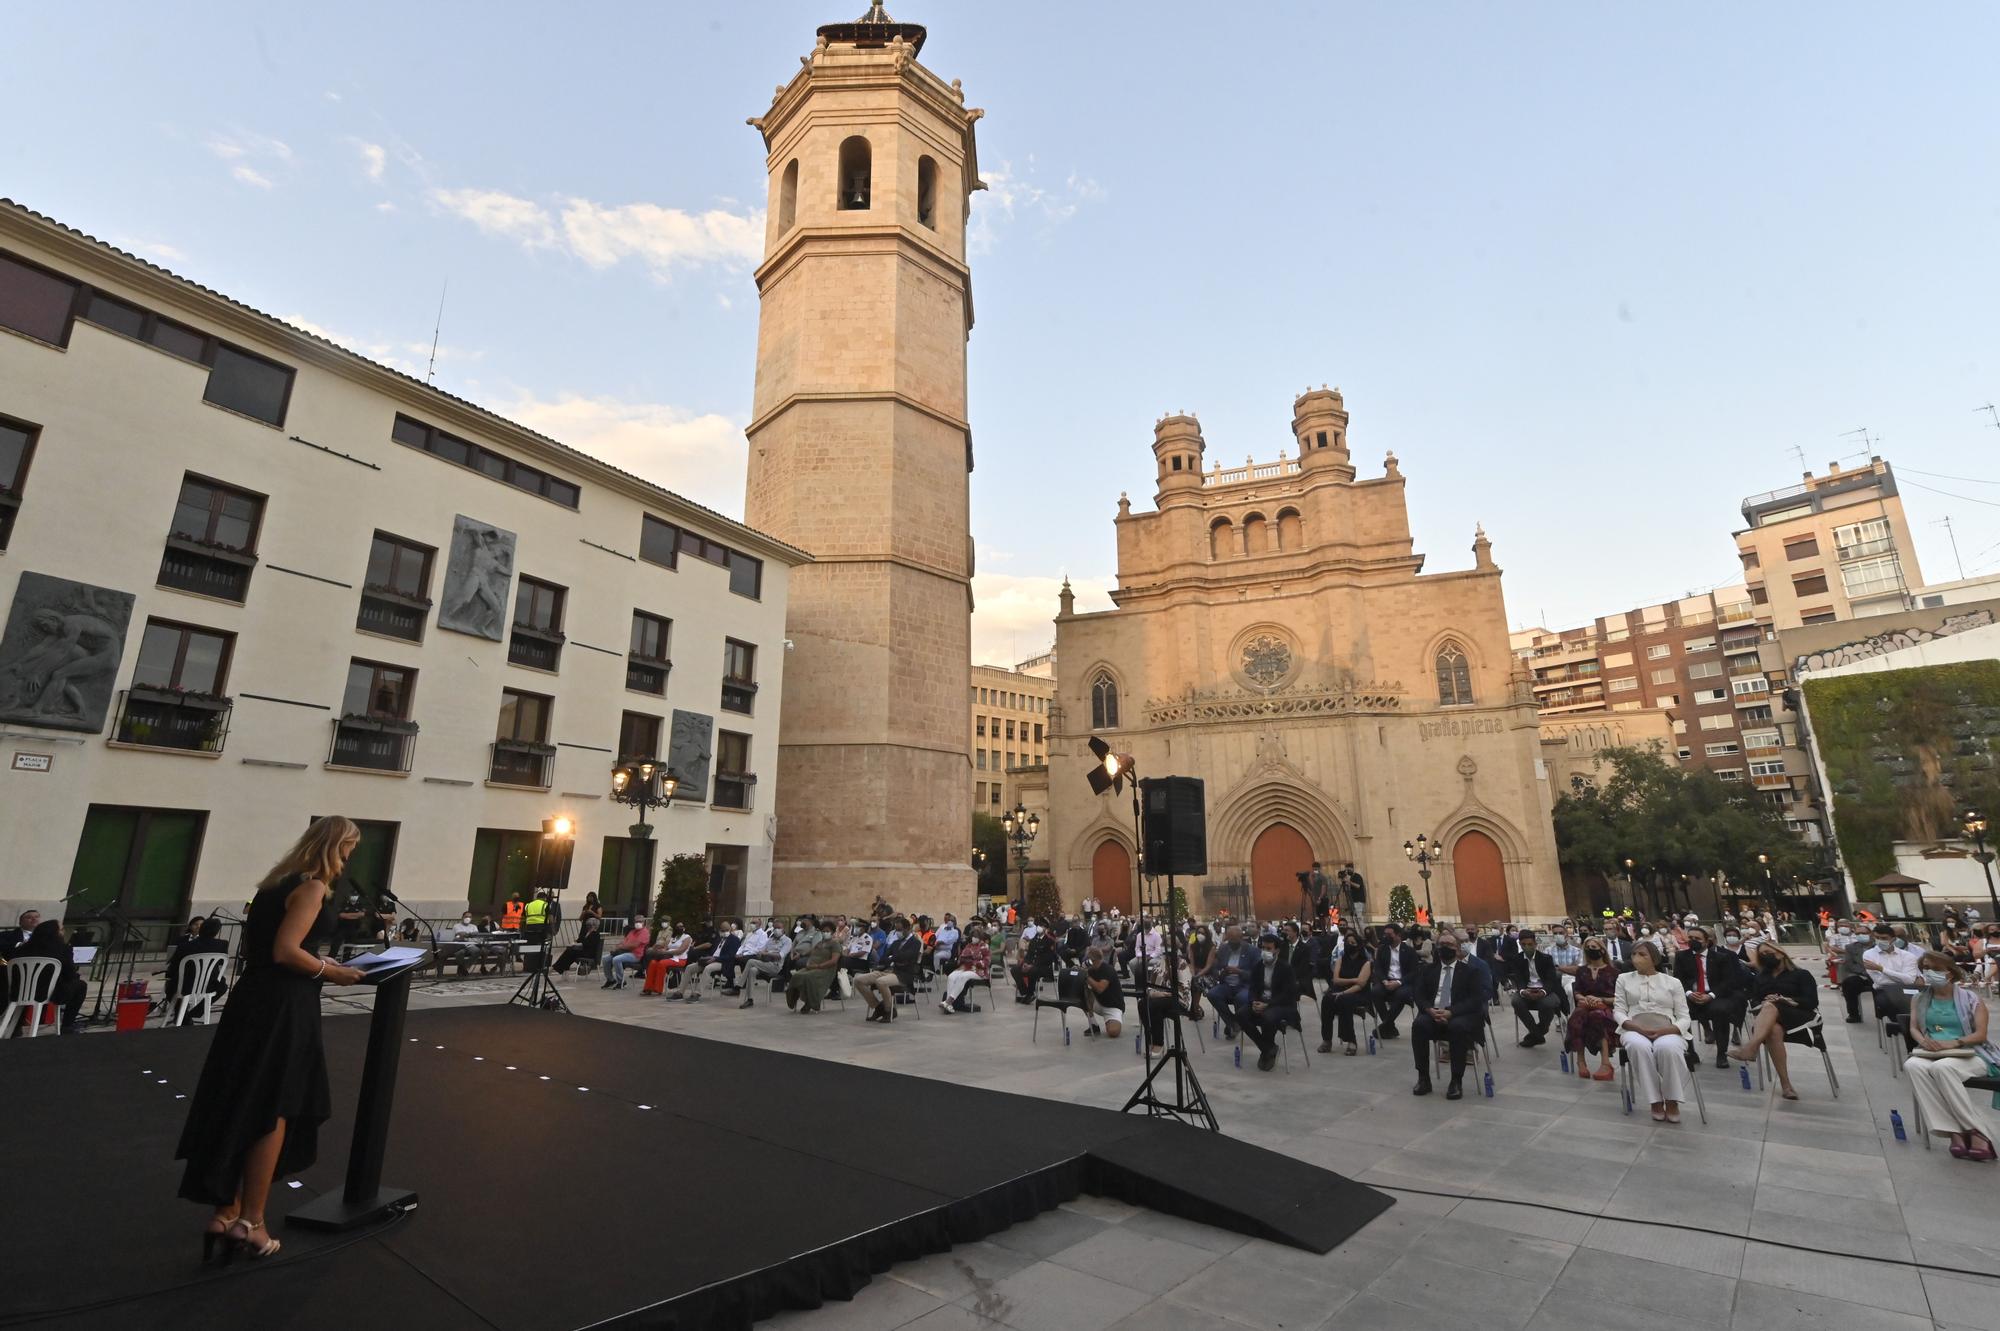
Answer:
(250, 578)
(1832, 547)
(1010, 723)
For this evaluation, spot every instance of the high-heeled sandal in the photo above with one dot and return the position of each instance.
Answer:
(216, 1235)
(248, 1245)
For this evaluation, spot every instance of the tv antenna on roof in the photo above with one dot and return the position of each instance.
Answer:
(430, 371)
(1868, 442)
(1992, 411)
(1945, 522)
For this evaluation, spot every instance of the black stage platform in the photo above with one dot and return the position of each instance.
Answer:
(580, 1173)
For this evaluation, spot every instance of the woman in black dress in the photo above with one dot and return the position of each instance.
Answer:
(1783, 1000)
(263, 1092)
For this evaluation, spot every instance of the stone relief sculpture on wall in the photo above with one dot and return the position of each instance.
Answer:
(689, 747)
(476, 579)
(1267, 659)
(60, 652)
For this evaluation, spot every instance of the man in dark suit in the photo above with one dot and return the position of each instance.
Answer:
(1538, 989)
(1394, 978)
(1274, 1002)
(208, 938)
(11, 939)
(1451, 999)
(70, 989)
(1618, 949)
(1717, 988)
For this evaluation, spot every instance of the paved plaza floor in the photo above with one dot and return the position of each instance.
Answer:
(1826, 1176)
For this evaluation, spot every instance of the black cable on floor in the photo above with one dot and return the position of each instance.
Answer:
(1670, 1224)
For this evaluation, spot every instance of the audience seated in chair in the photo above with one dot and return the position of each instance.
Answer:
(208, 938)
(629, 953)
(1394, 978)
(587, 951)
(899, 964)
(49, 940)
(1347, 992)
(1451, 1006)
(1274, 1002)
(814, 973)
(1592, 1028)
(764, 962)
(1538, 988)
(1951, 1027)
(1227, 979)
(1037, 963)
(1717, 988)
(1654, 1028)
(12, 939)
(1786, 1002)
(972, 960)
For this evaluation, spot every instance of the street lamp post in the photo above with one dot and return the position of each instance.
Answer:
(642, 784)
(1021, 826)
(1770, 893)
(1975, 827)
(1424, 852)
(1631, 886)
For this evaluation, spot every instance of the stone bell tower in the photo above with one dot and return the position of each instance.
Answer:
(859, 454)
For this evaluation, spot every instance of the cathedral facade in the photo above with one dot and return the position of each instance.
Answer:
(1274, 634)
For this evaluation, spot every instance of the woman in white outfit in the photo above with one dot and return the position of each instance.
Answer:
(1652, 1015)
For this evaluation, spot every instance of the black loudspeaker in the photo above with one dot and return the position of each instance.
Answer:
(1173, 820)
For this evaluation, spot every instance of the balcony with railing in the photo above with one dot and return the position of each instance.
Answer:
(372, 744)
(1251, 470)
(1771, 780)
(739, 695)
(392, 614)
(1570, 700)
(1736, 612)
(171, 719)
(538, 649)
(1880, 545)
(206, 569)
(1555, 678)
(733, 789)
(521, 762)
(647, 674)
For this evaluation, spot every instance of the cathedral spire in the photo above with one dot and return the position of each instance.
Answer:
(875, 28)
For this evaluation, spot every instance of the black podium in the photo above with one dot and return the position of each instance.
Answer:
(364, 1199)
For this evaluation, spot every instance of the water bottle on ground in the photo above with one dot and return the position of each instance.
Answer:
(1896, 1122)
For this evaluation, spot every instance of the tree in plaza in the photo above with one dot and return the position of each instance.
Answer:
(1676, 826)
(683, 895)
(1044, 901)
(988, 835)
(1402, 906)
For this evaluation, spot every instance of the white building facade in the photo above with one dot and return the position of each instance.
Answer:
(250, 578)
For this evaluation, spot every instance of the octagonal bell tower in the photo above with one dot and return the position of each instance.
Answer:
(860, 453)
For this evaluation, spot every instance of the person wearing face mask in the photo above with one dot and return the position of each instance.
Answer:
(1652, 1015)
(1892, 968)
(1564, 952)
(1784, 1001)
(1716, 984)
(763, 961)
(1274, 1002)
(1591, 1027)
(815, 975)
(1950, 1026)
(1346, 993)
(1451, 1003)
(585, 951)
(1538, 989)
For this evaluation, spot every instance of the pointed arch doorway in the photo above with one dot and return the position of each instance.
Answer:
(1481, 878)
(1277, 858)
(1111, 877)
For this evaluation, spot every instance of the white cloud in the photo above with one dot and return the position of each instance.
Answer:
(250, 156)
(701, 456)
(1012, 195)
(151, 249)
(374, 157)
(1014, 615)
(385, 207)
(602, 235)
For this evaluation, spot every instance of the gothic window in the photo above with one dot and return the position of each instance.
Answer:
(927, 192)
(788, 197)
(856, 174)
(1104, 704)
(1454, 676)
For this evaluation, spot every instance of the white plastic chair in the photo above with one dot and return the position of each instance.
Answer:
(28, 977)
(198, 972)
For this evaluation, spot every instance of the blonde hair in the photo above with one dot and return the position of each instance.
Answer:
(318, 854)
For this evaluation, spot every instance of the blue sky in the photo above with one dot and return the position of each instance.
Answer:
(1591, 271)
